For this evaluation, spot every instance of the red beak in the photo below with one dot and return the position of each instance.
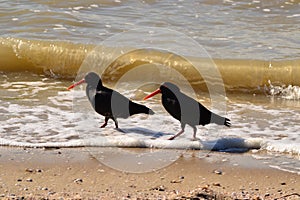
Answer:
(152, 94)
(75, 84)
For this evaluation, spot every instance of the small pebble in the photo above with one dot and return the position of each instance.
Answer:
(219, 172)
(175, 181)
(217, 184)
(19, 180)
(51, 193)
(159, 188)
(205, 187)
(176, 192)
(29, 180)
(283, 183)
(78, 180)
(29, 170)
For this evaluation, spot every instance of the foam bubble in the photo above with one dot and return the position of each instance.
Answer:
(286, 92)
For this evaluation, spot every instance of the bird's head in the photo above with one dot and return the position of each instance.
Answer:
(169, 87)
(91, 79)
(164, 88)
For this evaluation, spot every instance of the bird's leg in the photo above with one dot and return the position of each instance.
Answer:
(194, 135)
(116, 123)
(105, 122)
(180, 132)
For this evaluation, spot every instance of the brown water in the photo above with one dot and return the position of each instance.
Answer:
(238, 29)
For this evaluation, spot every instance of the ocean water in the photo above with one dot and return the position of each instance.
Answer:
(239, 58)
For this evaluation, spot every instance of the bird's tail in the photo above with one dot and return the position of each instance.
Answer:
(221, 120)
(138, 108)
(151, 112)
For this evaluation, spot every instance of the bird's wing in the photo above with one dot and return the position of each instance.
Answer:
(190, 111)
(172, 106)
(119, 104)
(194, 113)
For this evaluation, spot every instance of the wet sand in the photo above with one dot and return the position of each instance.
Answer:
(73, 173)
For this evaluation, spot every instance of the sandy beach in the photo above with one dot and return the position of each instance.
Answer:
(72, 173)
(239, 59)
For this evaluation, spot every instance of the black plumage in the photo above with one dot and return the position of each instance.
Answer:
(107, 102)
(186, 109)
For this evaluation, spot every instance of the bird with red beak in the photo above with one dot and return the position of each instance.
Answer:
(185, 109)
(107, 102)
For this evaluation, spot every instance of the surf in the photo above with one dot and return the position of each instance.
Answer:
(63, 59)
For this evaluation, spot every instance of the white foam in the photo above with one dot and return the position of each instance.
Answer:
(286, 92)
(59, 126)
(283, 147)
(57, 120)
(283, 169)
(222, 144)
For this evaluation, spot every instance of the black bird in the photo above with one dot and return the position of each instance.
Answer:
(186, 109)
(107, 102)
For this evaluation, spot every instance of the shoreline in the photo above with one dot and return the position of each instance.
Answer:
(74, 173)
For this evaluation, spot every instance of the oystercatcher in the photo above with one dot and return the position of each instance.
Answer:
(107, 102)
(186, 109)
